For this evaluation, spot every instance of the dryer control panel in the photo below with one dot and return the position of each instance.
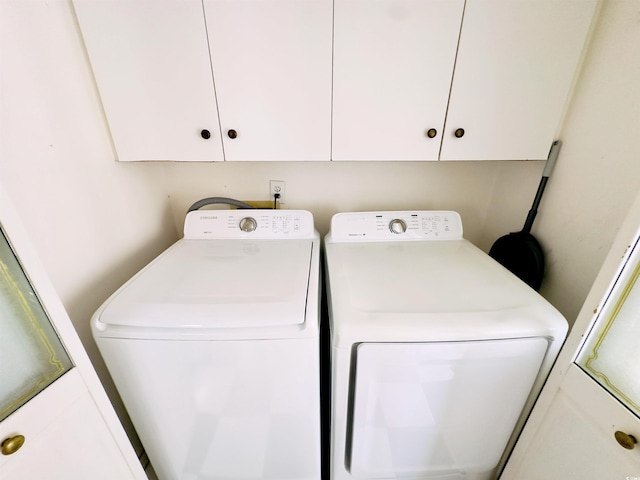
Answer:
(396, 226)
(258, 224)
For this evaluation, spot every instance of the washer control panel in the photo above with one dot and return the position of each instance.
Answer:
(260, 224)
(402, 225)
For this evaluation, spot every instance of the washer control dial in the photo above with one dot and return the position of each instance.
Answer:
(397, 226)
(248, 224)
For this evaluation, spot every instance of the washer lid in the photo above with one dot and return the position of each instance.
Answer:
(216, 284)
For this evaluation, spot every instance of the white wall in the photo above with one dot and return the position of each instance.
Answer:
(597, 176)
(94, 221)
(326, 188)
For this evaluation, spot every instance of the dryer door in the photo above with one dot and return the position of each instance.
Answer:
(438, 408)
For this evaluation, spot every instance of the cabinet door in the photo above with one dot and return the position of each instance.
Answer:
(271, 63)
(151, 64)
(515, 68)
(393, 61)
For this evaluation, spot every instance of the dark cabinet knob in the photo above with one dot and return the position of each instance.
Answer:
(232, 133)
(459, 133)
(206, 134)
(432, 132)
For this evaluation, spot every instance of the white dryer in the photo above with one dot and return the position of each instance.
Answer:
(437, 351)
(214, 348)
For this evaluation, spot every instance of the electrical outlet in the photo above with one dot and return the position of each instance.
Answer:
(276, 186)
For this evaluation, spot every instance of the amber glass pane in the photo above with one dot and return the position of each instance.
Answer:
(31, 354)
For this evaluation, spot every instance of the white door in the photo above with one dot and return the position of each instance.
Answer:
(55, 421)
(392, 67)
(271, 64)
(586, 422)
(515, 66)
(151, 64)
(414, 402)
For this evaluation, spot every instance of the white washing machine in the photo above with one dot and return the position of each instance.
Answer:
(214, 348)
(437, 351)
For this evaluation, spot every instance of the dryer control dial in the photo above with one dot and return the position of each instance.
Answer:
(397, 226)
(248, 224)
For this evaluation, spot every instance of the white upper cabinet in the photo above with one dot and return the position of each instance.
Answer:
(393, 61)
(271, 63)
(159, 67)
(397, 77)
(151, 64)
(206, 80)
(514, 71)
